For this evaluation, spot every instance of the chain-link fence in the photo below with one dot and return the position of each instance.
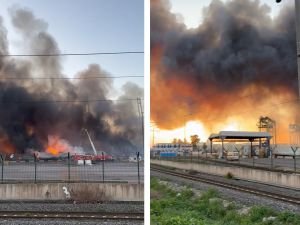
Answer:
(68, 170)
(290, 163)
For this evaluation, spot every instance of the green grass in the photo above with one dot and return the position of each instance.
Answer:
(169, 207)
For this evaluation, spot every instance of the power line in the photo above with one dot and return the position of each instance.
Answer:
(70, 78)
(72, 54)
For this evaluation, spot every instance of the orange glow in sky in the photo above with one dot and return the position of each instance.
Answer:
(196, 127)
(191, 128)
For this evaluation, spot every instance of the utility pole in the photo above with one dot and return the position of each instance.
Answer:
(141, 115)
(297, 8)
(154, 130)
(297, 16)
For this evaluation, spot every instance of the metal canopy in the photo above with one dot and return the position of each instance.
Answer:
(240, 135)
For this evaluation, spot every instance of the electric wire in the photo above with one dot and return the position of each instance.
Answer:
(71, 78)
(68, 101)
(72, 54)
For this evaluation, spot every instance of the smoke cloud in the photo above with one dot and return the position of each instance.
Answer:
(238, 64)
(31, 110)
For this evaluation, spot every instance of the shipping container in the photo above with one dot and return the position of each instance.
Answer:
(168, 154)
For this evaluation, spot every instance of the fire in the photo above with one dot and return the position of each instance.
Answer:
(191, 128)
(174, 97)
(219, 110)
(52, 150)
(57, 146)
(225, 84)
(196, 127)
(6, 146)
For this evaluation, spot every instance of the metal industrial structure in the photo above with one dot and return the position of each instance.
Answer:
(91, 142)
(238, 136)
(266, 124)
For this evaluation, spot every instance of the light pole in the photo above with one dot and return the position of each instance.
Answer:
(297, 12)
(297, 16)
(154, 129)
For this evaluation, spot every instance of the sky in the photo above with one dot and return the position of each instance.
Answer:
(89, 26)
(191, 10)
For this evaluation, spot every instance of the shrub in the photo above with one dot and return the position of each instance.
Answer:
(211, 193)
(229, 175)
(257, 213)
(87, 194)
(179, 220)
(289, 218)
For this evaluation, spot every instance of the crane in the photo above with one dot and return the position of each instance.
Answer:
(92, 144)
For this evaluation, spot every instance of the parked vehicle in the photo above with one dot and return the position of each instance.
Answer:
(232, 155)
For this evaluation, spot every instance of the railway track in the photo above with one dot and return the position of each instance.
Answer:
(70, 215)
(250, 190)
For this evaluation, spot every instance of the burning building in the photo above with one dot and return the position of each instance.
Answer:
(42, 114)
(237, 65)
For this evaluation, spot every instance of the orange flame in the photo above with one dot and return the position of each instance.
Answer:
(217, 109)
(6, 146)
(57, 146)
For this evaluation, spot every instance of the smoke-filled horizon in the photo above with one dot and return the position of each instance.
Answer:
(32, 112)
(237, 65)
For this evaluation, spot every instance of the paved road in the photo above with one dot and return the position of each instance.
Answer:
(279, 163)
(113, 171)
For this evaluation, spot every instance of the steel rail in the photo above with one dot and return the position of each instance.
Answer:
(70, 215)
(249, 190)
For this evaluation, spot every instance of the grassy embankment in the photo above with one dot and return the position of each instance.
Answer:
(169, 207)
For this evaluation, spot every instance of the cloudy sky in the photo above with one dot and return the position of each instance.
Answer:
(96, 26)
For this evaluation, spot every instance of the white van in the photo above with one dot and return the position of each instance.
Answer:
(232, 155)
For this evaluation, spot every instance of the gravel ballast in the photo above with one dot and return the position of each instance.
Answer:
(113, 207)
(240, 198)
(137, 207)
(66, 222)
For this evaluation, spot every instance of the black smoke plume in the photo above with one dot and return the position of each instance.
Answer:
(31, 110)
(238, 50)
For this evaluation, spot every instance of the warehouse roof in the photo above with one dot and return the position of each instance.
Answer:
(239, 135)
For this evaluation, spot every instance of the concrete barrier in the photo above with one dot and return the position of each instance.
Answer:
(290, 180)
(80, 191)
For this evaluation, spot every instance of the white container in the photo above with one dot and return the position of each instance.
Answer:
(80, 162)
(88, 162)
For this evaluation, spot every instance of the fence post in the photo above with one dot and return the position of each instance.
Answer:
(2, 167)
(138, 165)
(272, 160)
(69, 174)
(102, 167)
(294, 157)
(35, 162)
(295, 165)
